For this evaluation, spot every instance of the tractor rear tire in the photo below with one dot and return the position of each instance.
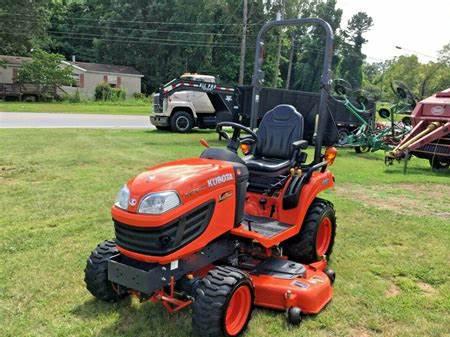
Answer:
(316, 237)
(96, 272)
(182, 122)
(223, 303)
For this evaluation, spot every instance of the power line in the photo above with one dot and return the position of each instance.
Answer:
(180, 43)
(137, 39)
(415, 52)
(142, 22)
(147, 30)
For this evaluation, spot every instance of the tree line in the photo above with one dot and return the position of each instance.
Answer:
(163, 39)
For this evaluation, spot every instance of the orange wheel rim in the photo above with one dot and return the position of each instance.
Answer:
(238, 310)
(323, 238)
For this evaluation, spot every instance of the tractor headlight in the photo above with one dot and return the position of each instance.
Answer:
(123, 197)
(158, 203)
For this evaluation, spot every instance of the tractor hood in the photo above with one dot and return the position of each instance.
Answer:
(190, 178)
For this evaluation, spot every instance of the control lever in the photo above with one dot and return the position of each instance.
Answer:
(204, 143)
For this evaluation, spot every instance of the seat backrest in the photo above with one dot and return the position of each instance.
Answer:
(279, 128)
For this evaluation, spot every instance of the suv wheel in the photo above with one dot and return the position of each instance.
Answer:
(182, 121)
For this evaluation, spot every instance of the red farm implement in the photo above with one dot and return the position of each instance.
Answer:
(430, 135)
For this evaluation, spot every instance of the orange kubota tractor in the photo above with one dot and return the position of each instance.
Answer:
(226, 233)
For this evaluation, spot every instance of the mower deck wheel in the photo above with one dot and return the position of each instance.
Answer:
(294, 315)
(96, 272)
(223, 303)
(316, 237)
(331, 275)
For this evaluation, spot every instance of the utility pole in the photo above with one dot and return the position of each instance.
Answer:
(291, 59)
(243, 43)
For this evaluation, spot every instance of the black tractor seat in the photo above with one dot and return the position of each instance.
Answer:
(280, 135)
(269, 165)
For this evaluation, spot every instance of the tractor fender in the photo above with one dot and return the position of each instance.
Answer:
(319, 182)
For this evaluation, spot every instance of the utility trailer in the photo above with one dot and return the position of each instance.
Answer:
(25, 92)
(192, 100)
(340, 124)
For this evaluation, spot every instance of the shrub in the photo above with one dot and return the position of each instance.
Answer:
(75, 98)
(118, 94)
(139, 96)
(103, 92)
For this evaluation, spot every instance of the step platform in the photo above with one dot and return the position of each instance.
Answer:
(266, 227)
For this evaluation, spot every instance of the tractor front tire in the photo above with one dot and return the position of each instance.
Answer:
(96, 272)
(223, 303)
(182, 122)
(316, 237)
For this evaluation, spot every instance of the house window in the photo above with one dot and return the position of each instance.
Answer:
(76, 80)
(112, 81)
(14, 75)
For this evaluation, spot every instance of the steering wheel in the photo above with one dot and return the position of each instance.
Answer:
(235, 140)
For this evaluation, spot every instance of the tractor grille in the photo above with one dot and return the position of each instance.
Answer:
(167, 238)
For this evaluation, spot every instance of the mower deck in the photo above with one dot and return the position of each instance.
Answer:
(282, 284)
(264, 226)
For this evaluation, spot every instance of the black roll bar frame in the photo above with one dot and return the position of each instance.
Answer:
(325, 82)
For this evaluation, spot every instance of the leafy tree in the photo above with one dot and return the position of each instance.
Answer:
(46, 70)
(163, 39)
(352, 58)
(444, 55)
(423, 79)
(310, 44)
(23, 25)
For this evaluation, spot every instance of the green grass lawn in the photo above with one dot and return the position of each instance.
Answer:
(56, 188)
(128, 107)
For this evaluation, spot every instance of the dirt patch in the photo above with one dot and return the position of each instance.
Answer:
(7, 168)
(426, 288)
(392, 291)
(360, 332)
(407, 199)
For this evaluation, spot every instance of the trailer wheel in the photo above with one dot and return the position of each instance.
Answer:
(29, 98)
(316, 237)
(343, 136)
(182, 121)
(223, 303)
(438, 164)
(96, 273)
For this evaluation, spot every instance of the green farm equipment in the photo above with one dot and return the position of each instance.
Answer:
(404, 103)
(370, 135)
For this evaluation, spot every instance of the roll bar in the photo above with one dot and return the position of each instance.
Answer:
(325, 82)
